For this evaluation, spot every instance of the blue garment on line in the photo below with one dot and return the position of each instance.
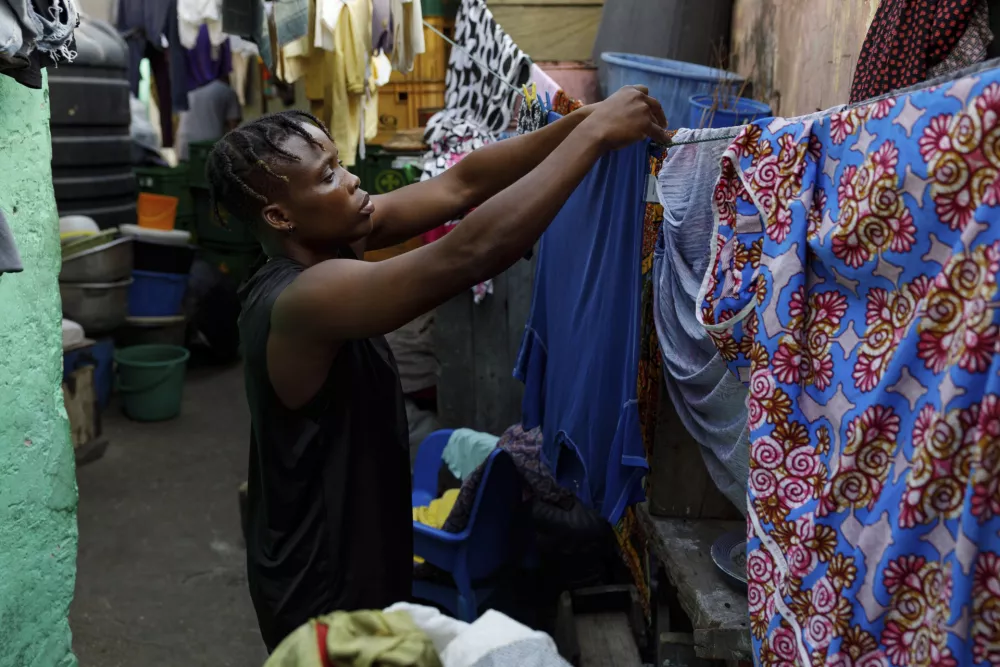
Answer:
(579, 358)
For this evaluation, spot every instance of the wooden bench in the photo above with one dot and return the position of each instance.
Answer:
(718, 612)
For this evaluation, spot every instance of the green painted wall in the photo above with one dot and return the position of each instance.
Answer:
(38, 495)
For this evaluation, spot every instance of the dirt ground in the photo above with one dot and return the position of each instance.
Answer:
(161, 577)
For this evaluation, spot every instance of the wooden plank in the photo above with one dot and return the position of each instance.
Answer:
(453, 346)
(81, 405)
(551, 32)
(606, 640)
(719, 614)
(679, 485)
(490, 352)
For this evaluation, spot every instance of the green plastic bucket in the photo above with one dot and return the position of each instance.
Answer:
(151, 381)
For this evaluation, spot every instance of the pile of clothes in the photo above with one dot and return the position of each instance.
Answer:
(409, 635)
(35, 34)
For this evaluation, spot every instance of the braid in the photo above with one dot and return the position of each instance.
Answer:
(240, 174)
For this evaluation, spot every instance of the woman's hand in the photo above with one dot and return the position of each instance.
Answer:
(628, 116)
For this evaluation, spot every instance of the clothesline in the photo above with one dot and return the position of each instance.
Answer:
(473, 58)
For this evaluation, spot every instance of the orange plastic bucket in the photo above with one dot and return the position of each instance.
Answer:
(157, 211)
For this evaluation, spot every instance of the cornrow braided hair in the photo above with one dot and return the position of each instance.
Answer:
(239, 168)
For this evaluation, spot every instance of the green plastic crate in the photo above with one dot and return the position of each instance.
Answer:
(197, 161)
(210, 232)
(379, 174)
(445, 8)
(170, 181)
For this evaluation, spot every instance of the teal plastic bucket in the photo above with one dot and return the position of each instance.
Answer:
(151, 381)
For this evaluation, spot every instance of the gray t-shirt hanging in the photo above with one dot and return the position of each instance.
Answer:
(210, 108)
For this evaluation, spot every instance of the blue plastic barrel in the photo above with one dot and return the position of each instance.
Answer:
(671, 82)
(742, 112)
(153, 294)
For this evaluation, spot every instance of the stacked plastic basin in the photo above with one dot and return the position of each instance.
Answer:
(671, 82)
(229, 246)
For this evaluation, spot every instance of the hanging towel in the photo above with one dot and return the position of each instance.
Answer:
(193, 15)
(580, 353)
(10, 259)
(854, 285)
(545, 84)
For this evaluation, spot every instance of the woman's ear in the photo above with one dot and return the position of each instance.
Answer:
(276, 219)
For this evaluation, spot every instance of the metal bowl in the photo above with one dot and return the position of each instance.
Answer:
(97, 307)
(104, 264)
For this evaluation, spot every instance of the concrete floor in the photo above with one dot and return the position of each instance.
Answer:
(161, 577)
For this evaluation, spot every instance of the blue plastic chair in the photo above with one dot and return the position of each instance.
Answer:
(498, 536)
(426, 467)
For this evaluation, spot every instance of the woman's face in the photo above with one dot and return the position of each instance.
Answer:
(323, 205)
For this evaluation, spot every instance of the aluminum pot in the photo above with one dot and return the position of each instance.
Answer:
(97, 307)
(105, 263)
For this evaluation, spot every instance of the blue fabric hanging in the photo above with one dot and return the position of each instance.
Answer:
(580, 353)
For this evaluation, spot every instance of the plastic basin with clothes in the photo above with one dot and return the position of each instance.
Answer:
(707, 112)
(151, 381)
(670, 82)
(157, 211)
(154, 294)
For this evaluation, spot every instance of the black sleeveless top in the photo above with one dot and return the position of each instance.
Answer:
(330, 526)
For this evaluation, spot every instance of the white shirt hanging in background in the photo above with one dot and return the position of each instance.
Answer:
(327, 15)
(408, 34)
(191, 14)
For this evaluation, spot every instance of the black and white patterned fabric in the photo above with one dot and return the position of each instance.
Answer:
(474, 95)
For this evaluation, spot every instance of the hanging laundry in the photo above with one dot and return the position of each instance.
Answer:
(146, 25)
(853, 285)
(291, 20)
(407, 21)
(708, 399)
(544, 83)
(531, 114)
(564, 105)
(906, 39)
(243, 52)
(580, 352)
(35, 34)
(10, 259)
(472, 94)
(382, 28)
(193, 15)
(972, 47)
(207, 62)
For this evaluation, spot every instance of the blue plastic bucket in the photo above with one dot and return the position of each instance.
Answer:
(153, 294)
(743, 112)
(671, 82)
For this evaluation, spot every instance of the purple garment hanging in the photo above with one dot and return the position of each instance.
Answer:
(202, 68)
(382, 27)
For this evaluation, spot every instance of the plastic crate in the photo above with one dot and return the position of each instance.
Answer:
(171, 181)
(197, 161)
(431, 66)
(209, 231)
(380, 172)
(402, 106)
(234, 262)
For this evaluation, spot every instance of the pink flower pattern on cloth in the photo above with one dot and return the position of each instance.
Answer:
(853, 287)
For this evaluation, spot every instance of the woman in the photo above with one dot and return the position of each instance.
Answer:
(329, 521)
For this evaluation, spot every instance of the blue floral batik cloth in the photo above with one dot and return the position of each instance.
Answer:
(853, 286)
